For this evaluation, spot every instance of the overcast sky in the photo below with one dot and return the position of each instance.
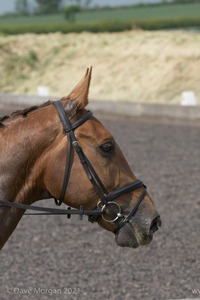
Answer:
(9, 5)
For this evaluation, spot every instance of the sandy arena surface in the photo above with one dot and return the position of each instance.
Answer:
(138, 66)
(74, 259)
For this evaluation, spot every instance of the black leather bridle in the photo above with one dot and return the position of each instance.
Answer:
(106, 198)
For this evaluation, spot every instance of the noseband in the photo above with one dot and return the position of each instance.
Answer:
(106, 198)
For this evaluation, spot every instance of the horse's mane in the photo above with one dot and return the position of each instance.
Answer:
(21, 113)
(70, 108)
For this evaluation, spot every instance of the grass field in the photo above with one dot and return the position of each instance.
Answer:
(143, 65)
(140, 66)
(126, 13)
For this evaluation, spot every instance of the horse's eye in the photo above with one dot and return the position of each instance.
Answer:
(107, 147)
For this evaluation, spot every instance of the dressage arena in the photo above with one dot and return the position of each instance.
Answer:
(51, 257)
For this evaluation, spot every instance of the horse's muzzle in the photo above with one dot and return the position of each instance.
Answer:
(131, 235)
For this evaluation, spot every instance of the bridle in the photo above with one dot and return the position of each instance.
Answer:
(106, 198)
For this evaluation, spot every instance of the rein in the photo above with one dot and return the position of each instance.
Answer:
(106, 198)
(52, 211)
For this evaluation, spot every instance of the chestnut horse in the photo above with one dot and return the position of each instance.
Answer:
(34, 163)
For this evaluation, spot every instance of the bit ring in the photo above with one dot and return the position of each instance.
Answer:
(118, 214)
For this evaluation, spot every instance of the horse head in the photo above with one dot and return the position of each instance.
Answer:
(62, 151)
(112, 169)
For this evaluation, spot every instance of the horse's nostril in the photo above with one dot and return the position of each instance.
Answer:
(156, 223)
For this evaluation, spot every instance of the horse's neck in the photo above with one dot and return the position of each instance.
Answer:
(22, 144)
(9, 218)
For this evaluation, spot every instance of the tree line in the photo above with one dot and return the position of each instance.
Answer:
(22, 7)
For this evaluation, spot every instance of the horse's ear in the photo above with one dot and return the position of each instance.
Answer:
(80, 93)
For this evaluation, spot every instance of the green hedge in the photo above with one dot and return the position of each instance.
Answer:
(67, 27)
(158, 24)
(103, 26)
